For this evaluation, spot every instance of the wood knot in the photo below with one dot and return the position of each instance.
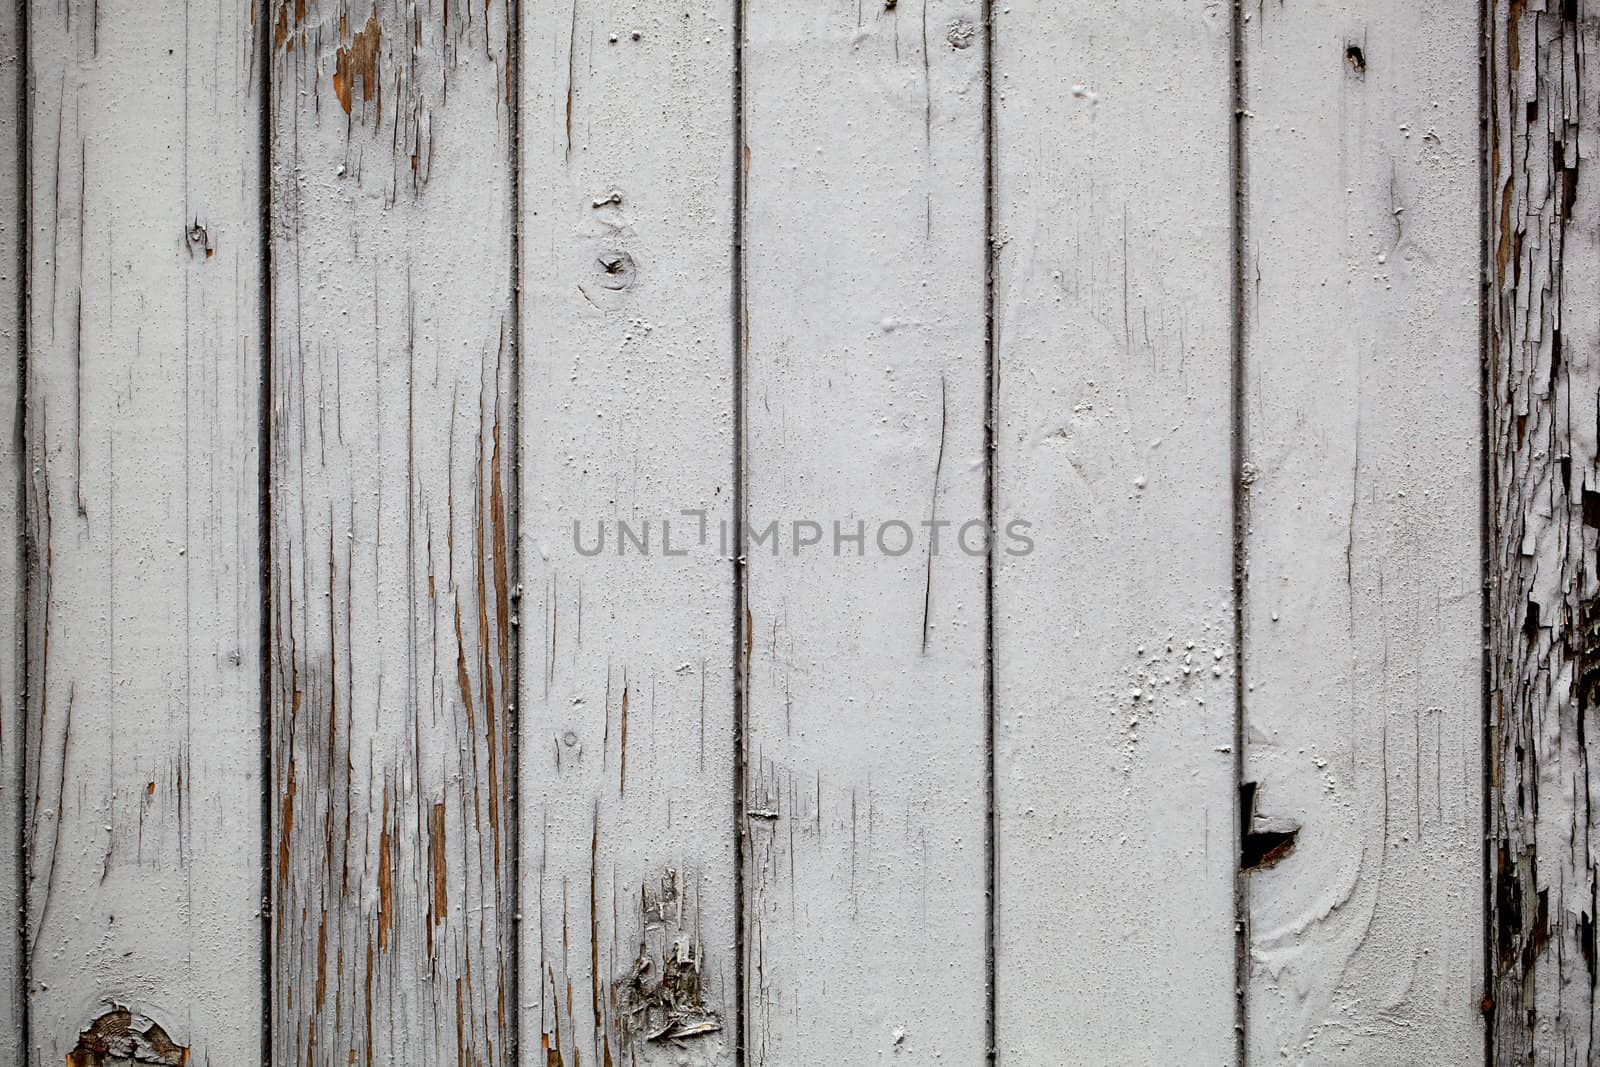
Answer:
(617, 270)
(121, 1036)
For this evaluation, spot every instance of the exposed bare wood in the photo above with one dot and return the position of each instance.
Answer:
(1114, 650)
(865, 907)
(392, 596)
(627, 656)
(144, 747)
(1363, 610)
(1544, 489)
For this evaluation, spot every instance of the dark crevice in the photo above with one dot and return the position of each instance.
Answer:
(1260, 850)
(991, 837)
(741, 663)
(514, 418)
(18, 768)
(1240, 504)
(1586, 941)
(264, 58)
(1507, 911)
(1494, 876)
(1263, 851)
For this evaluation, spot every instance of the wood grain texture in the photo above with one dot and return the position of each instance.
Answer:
(13, 1000)
(392, 597)
(864, 755)
(1545, 586)
(1114, 650)
(1363, 610)
(627, 952)
(144, 741)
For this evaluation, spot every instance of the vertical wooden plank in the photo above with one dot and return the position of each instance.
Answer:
(144, 829)
(13, 1002)
(1544, 592)
(627, 683)
(863, 845)
(1363, 610)
(391, 627)
(1114, 646)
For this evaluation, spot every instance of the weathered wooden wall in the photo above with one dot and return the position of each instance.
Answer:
(392, 521)
(627, 725)
(1362, 604)
(13, 562)
(862, 319)
(1542, 456)
(343, 334)
(142, 864)
(1114, 642)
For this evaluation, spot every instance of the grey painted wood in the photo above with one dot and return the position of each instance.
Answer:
(1363, 612)
(669, 273)
(13, 64)
(627, 945)
(392, 526)
(1542, 455)
(144, 742)
(1114, 646)
(865, 908)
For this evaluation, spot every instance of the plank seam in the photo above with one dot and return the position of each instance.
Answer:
(1240, 504)
(514, 418)
(264, 543)
(1486, 513)
(991, 383)
(740, 660)
(26, 548)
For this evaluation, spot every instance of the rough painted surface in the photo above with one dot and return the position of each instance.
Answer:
(143, 388)
(13, 1001)
(1114, 651)
(627, 949)
(1545, 500)
(1363, 608)
(863, 313)
(754, 829)
(392, 598)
